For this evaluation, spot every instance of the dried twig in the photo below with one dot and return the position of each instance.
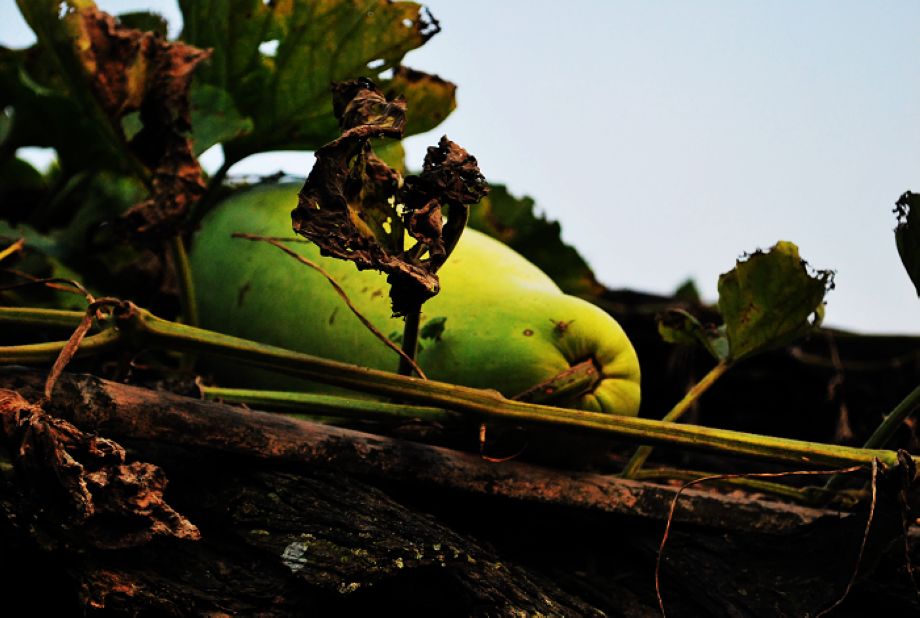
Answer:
(862, 547)
(73, 344)
(13, 248)
(667, 527)
(55, 283)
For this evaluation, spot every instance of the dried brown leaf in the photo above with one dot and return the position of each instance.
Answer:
(86, 477)
(132, 71)
(356, 207)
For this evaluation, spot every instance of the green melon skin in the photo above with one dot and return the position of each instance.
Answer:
(503, 314)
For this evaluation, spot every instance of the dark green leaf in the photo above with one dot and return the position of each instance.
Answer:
(65, 49)
(514, 221)
(907, 235)
(278, 59)
(42, 113)
(21, 188)
(41, 258)
(146, 21)
(769, 299)
(215, 118)
(680, 327)
(6, 123)
(688, 292)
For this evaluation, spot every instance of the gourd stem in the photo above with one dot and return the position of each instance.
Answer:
(642, 453)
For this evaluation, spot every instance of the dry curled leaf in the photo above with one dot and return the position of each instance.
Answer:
(356, 207)
(86, 477)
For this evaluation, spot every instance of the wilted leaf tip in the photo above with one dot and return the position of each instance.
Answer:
(790, 249)
(426, 24)
(904, 205)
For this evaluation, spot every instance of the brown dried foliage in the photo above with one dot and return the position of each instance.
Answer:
(134, 71)
(86, 480)
(356, 207)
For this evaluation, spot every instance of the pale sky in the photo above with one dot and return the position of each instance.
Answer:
(669, 138)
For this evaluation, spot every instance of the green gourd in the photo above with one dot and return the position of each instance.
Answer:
(506, 325)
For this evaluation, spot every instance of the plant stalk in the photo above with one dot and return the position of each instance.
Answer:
(890, 425)
(344, 408)
(638, 459)
(140, 328)
(884, 433)
(188, 303)
(209, 199)
(801, 495)
(410, 341)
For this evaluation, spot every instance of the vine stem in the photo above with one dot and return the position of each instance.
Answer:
(451, 233)
(801, 495)
(139, 327)
(563, 387)
(187, 300)
(890, 425)
(410, 342)
(886, 430)
(208, 200)
(638, 459)
(343, 408)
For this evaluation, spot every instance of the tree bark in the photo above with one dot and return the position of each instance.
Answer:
(297, 518)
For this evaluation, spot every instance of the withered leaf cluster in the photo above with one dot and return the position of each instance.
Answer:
(87, 479)
(130, 71)
(356, 207)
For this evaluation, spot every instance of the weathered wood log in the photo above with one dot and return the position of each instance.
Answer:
(124, 411)
(298, 518)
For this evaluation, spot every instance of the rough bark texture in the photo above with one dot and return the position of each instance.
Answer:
(313, 519)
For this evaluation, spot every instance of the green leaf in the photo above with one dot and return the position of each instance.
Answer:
(277, 61)
(680, 327)
(769, 299)
(6, 124)
(514, 221)
(429, 99)
(215, 118)
(145, 20)
(688, 292)
(21, 187)
(391, 152)
(907, 235)
(41, 259)
(42, 113)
